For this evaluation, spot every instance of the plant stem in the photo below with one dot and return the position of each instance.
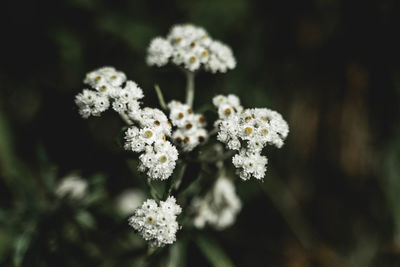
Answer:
(189, 88)
(125, 118)
(153, 191)
(160, 97)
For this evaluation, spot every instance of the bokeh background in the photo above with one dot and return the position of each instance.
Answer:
(331, 196)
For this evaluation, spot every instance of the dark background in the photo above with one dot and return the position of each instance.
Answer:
(331, 195)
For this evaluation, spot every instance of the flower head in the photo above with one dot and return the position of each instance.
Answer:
(157, 223)
(191, 47)
(110, 89)
(248, 131)
(190, 127)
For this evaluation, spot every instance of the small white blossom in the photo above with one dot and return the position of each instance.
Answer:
(160, 50)
(220, 59)
(159, 160)
(250, 164)
(248, 131)
(190, 127)
(219, 207)
(191, 47)
(157, 223)
(111, 89)
(72, 186)
(105, 79)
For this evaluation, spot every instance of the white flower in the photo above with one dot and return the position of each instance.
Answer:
(228, 106)
(221, 58)
(159, 51)
(192, 48)
(219, 207)
(250, 164)
(190, 130)
(129, 200)
(72, 186)
(248, 130)
(109, 92)
(157, 223)
(105, 79)
(159, 160)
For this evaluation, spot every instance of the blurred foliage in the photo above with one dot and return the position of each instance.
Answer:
(331, 195)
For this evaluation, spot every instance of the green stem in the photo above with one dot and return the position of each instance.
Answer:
(189, 88)
(153, 191)
(160, 97)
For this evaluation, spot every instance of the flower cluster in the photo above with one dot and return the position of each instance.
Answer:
(157, 223)
(151, 126)
(219, 207)
(191, 47)
(248, 131)
(110, 89)
(190, 130)
(159, 156)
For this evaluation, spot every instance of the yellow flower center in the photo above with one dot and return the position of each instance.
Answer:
(148, 133)
(248, 130)
(163, 159)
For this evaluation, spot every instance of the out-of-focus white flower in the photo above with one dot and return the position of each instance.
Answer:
(191, 47)
(72, 187)
(159, 51)
(190, 131)
(157, 223)
(129, 200)
(248, 130)
(219, 207)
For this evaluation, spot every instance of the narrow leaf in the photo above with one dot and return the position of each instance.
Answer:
(213, 252)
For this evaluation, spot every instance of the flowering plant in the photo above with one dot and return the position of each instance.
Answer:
(167, 140)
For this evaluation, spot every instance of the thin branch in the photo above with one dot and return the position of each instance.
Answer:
(189, 88)
(125, 118)
(160, 97)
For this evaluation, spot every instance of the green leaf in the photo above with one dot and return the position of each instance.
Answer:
(21, 245)
(85, 219)
(177, 254)
(213, 251)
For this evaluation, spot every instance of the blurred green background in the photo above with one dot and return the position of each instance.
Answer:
(331, 195)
